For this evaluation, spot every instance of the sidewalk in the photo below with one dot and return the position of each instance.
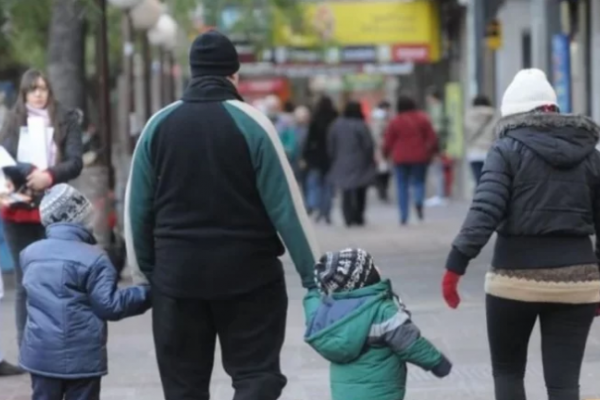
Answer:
(413, 258)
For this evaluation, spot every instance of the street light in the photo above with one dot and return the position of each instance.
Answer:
(145, 14)
(164, 35)
(143, 17)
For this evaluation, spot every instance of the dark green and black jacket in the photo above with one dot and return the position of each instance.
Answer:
(209, 196)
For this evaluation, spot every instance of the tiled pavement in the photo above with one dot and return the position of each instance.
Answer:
(413, 257)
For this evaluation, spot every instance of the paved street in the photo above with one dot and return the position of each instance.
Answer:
(413, 258)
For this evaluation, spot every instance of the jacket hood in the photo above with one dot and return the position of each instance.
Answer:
(72, 232)
(563, 141)
(341, 325)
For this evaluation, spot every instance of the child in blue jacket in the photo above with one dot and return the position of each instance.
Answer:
(71, 292)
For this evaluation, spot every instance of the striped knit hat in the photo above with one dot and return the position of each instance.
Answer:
(64, 203)
(345, 270)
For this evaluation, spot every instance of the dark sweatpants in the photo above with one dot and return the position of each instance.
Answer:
(18, 237)
(565, 328)
(251, 331)
(67, 389)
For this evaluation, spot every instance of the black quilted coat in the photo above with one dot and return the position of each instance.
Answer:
(540, 191)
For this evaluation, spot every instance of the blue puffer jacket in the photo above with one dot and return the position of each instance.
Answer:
(71, 291)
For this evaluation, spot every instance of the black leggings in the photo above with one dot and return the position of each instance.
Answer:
(564, 327)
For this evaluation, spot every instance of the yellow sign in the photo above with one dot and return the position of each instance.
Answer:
(493, 35)
(454, 115)
(371, 23)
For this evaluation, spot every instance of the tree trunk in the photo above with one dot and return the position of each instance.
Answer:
(66, 72)
(66, 53)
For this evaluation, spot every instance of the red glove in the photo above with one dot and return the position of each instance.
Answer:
(598, 311)
(449, 289)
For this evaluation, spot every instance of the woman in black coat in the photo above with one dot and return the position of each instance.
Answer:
(318, 191)
(352, 154)
(22, 225)
(540, 191)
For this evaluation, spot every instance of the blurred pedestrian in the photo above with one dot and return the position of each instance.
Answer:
(441, 163)
(3, 109)
(480, 125)
(301, 123)
(319, 192)
(6, 368)
(351, 150)
(210, 198)
(380, 118)
(71, 292)
(37, 104)
(411, 143)
(539, 191)
(286, 127)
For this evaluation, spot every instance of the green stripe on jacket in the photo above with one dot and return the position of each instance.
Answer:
(139, 200)
(278, 188)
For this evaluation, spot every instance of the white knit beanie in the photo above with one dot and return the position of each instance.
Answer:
(64, 203)
(529, 90)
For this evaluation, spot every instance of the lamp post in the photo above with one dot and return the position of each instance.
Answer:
(105, 125)
(138, 15)
(145, 16)
(164, 36)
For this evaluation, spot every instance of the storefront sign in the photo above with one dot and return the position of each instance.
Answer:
(402, 53)
(454, 114)
(561, 70)
(359, 54)
(368, 23)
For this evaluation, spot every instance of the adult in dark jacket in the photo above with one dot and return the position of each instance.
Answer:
(71, 293)
(318, 191)
(22, 223)
(411, 142)
(209, 196)
(352, 153)
(540, 190)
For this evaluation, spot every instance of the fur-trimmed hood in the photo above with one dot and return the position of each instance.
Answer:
(562, 140)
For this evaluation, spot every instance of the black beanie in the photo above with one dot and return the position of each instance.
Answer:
(213, 54)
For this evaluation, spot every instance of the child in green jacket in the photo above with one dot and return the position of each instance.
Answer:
(357, 323)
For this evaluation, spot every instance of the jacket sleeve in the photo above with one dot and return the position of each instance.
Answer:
(487, 210)
(404, 338)
(71, 162)
(368, 139)
(389, 139)
(139, 208)
(110, 303)
(278, 188)
(311, 303)
(331, 142)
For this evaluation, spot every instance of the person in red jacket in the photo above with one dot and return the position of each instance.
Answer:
(410, 141)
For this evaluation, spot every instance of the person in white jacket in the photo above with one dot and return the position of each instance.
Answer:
(480, 123)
